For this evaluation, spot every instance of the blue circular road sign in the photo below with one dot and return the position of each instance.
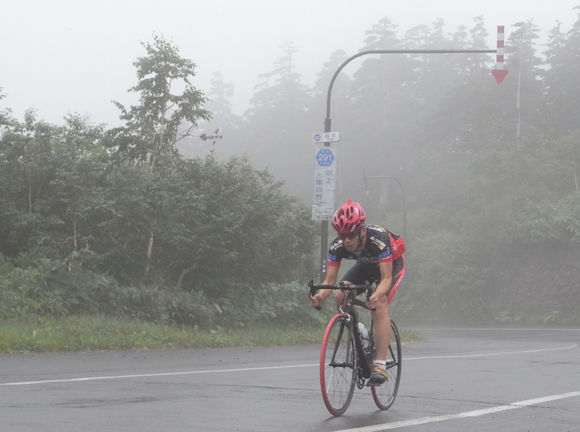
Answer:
(324, 157)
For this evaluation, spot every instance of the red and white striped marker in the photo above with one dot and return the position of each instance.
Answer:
(499, 72)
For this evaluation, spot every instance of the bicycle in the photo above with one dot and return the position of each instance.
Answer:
(346, 360)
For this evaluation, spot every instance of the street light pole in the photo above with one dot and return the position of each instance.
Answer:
(327, 123)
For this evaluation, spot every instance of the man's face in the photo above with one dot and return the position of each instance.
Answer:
(352, 241)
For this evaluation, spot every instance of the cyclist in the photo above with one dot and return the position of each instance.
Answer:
(379, 256)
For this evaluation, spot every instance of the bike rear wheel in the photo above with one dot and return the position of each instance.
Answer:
(385, 394)
(338, 365)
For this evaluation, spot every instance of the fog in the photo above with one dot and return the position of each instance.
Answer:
(65, 56)
(482, 164)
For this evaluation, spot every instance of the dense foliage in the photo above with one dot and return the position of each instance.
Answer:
(118, 222)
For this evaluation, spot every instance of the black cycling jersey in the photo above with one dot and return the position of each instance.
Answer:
(380, 246)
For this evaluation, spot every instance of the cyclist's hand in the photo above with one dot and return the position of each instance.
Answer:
(372, 302)
(375, 300)
(315, 300)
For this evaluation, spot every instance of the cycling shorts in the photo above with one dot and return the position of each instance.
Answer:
(359, 274)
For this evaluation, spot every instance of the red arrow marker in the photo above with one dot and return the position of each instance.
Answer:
(499, 72)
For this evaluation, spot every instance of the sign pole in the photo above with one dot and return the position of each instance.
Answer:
(324, 187)
(324, 224)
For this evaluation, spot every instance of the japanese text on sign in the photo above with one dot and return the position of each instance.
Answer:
(326, 137)
(324, 183)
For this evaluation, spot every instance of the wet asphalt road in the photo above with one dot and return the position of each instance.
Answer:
(461, 379)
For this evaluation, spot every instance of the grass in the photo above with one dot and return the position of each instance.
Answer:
(411, 336)
(85, 333)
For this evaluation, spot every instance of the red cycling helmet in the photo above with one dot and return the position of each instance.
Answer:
(349, 217)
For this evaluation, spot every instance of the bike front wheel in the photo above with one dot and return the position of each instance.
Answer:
(385, 394)
(338, 365)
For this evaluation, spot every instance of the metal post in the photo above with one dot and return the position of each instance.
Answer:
(324, 224)
(327, 125)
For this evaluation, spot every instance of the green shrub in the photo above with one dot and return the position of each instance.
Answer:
(44, 287)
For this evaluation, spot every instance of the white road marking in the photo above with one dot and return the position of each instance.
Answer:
(476, 413)
(490, 354)
(499, 329)
(262, 368)
(154, 375)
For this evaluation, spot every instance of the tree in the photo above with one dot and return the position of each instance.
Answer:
(50, 184)
(5, 114)
(565, 153)
(340, 98)
(432, 70)
(478, 113)
(379, 84)
(382, 116)
(27, 164)
(563, 79)
(279, 121)
(224, 125)
(479, 62)
(153, 128)
(525, 85)
(460, 41)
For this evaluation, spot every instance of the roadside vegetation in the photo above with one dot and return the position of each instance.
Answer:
(89, 333)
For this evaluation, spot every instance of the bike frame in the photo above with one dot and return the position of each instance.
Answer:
(351, 317)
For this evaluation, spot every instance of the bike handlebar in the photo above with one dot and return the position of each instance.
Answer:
(342, 286)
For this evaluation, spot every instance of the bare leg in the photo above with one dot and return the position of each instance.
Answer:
(382, 328)
(338, 299)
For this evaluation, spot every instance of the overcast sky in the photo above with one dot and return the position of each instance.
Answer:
(75, 56)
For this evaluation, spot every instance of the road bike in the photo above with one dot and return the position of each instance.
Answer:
(346, 357)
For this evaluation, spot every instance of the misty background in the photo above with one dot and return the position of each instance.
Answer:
(63, 56)
(489, 171)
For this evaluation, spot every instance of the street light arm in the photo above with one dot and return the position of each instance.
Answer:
(362, 53)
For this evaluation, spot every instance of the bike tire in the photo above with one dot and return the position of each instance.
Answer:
(338, 365)
(385, 394)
